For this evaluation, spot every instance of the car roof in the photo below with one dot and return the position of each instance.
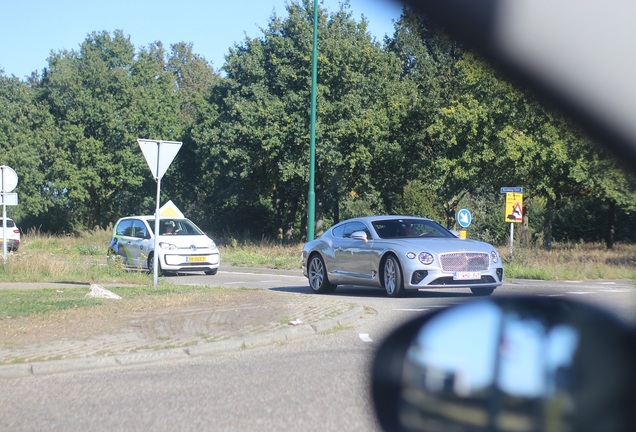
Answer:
(153, 216)
(370, 219)
(384, 217)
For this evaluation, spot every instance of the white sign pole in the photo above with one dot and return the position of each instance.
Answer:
(512, 234)
(4, 226)
(158, 162)
(155, 255)
(4, 222)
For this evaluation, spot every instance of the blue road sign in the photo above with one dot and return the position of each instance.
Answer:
(511, 189)
(464, 217)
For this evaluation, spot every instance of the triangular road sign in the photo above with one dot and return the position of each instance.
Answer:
(169, 209)
(159, 154)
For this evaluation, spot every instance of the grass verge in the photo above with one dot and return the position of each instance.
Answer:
(572, 262)
(82, 259)
(17, 303)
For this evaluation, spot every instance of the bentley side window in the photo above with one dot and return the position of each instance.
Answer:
(338, 231)
(352, 227)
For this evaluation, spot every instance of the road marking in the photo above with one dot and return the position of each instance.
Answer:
(412, 310)
(364, 337)
(616, 290)
(580, 292)
(262, 274)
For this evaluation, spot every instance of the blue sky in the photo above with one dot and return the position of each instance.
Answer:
(29, 31)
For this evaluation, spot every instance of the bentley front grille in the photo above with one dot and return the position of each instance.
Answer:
(465, 261)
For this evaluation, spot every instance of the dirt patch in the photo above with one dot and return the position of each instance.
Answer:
(156, 322)
(113, 316)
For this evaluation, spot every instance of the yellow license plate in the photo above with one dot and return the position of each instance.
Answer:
(196, 259)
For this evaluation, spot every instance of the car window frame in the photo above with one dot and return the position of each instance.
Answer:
(354, 226)
(9, 222)
(140, 229)
(192, 228)
(123, 225)
(338, 231)
(393, 225)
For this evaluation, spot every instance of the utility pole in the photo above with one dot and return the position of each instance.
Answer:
(311, 196)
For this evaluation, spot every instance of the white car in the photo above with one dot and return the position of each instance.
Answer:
(13, 235)
(182, 245)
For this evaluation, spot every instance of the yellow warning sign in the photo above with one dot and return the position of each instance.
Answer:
(169, 209)
(514, 207)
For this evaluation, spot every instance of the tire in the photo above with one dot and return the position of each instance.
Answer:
(211, 272)
(392, 277)
(482, 292)
(150, 265)
(317, 275)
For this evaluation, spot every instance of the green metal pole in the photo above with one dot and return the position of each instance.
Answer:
(311, 205)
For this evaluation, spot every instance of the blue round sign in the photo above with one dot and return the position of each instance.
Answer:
(464, 217)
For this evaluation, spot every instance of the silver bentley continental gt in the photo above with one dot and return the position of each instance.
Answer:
(399, 253)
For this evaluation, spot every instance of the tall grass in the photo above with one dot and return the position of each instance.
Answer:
(72, 258)
(82, 258)
(579, 261)
(264, 254)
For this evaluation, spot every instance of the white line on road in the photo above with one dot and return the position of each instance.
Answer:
(262, 274)
(364, 337)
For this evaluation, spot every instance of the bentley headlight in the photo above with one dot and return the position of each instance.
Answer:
(425, 258)
(494, 256)
(169, 246)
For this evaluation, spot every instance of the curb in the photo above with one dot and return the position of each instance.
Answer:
(208, 348)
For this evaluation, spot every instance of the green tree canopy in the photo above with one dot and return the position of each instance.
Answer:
(103, 97)
(26, 130)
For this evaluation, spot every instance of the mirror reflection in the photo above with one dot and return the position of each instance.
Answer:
(495, 366)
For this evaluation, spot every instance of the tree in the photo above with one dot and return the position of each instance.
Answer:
(102, 100)
(610, 187)
(258, 140)
(25, 143)
(451, 134)
(194, 78)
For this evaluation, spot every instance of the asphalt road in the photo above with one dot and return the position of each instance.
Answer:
(619, 297)
(317, 383)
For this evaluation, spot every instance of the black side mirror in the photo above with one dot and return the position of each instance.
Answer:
(508, 364)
